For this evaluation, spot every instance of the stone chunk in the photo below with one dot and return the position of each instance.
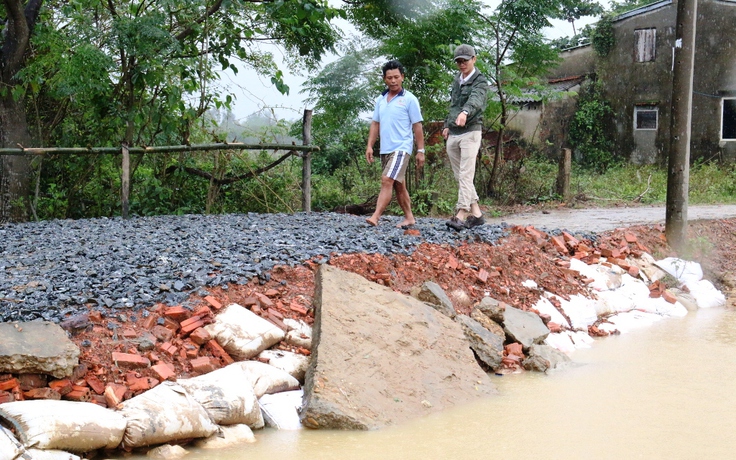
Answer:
(436, 297)
(410, 354)
(524, 327)
(486, 345)
(37, 347)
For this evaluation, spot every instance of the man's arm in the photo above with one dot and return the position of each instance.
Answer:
(372, 136)
(419, 139)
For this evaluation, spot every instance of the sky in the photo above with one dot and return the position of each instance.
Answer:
(255, 93)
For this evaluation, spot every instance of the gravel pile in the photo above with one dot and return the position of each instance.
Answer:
(49, 269)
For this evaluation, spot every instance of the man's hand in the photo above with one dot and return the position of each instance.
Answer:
(420, 160)
(445, 133)
(461, 119)
(369, 155)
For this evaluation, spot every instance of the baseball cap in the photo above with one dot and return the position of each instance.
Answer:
(464, 52)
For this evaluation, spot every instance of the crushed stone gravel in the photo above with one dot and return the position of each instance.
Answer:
(50, 269)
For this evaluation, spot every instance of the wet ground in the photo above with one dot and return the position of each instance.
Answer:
(604, 219)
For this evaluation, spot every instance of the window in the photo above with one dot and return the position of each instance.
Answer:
(728, 125)
(645, 41)
(646, 117)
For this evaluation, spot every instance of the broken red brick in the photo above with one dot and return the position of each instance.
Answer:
(95, 383)
(95, 316)
(42, 393)
(200, 336)
(249, 301)
(185, 330)
(213, 302)
(62, 386)
(139, 384)
(295, 307)
(150, 322)
(162, 333)
(129, 333)
(203, 365)
(29, 381)
(129, 360)
(219, 352)
(78, 394)
(9, 384)
(168, 348)
(177, 313)
(669, 297)
(263, 300)
(164, 371)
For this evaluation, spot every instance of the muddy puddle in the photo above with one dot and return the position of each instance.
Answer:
(662, 391)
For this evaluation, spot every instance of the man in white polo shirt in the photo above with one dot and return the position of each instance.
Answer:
(397, 118)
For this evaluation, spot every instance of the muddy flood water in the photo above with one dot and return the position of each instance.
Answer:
(665, 391)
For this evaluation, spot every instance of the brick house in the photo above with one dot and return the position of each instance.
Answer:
(637, 80)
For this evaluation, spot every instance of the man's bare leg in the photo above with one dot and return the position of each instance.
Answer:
(402, 196)
(384, 198)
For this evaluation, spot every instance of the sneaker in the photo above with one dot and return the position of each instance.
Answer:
(456, 224)
(473, 221)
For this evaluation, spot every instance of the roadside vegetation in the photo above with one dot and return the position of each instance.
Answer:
(102, 75)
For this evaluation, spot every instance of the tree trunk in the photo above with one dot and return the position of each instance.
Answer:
(15, 171)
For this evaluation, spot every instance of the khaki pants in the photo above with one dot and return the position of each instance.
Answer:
(463, 151)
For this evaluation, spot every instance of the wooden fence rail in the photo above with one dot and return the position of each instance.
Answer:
(303, 151)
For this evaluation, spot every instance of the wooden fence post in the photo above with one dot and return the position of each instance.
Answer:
(125, 181)
(307, 162)
(563, 174)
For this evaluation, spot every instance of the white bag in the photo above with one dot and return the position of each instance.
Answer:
(242, 333)
(64, 425)
(226, 396)
(165, 413)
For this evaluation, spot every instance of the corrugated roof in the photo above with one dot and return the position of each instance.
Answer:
(642, 9)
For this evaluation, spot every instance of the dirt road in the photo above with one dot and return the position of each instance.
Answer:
(604, 219)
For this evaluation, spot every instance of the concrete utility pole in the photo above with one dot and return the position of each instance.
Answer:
(678, 175)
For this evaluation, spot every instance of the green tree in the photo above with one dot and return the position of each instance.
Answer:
(517, 56)
(572, 10)
(102, 73)
(17, 21)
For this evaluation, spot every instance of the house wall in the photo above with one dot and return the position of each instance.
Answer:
(526, 120)
(576, 61)
(628, 83)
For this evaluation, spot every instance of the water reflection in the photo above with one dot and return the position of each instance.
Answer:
(665, 391)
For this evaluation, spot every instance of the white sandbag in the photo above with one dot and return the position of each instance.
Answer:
(660, 306)
(544, 306)
(167, 452)
(64, 425)
(684, 271)
(300, 333)
(281, 411)
(685, 298)
(10, 447)
(39, 454)
(165, 413)
(629, 320)
(292, 363)
(242, 333)
(580, 310)
(560, 341)
(647, 268)
(706, 295)
(225, 397)
(228, 436)
(580, 339)
(604, 277)
(266, 379)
